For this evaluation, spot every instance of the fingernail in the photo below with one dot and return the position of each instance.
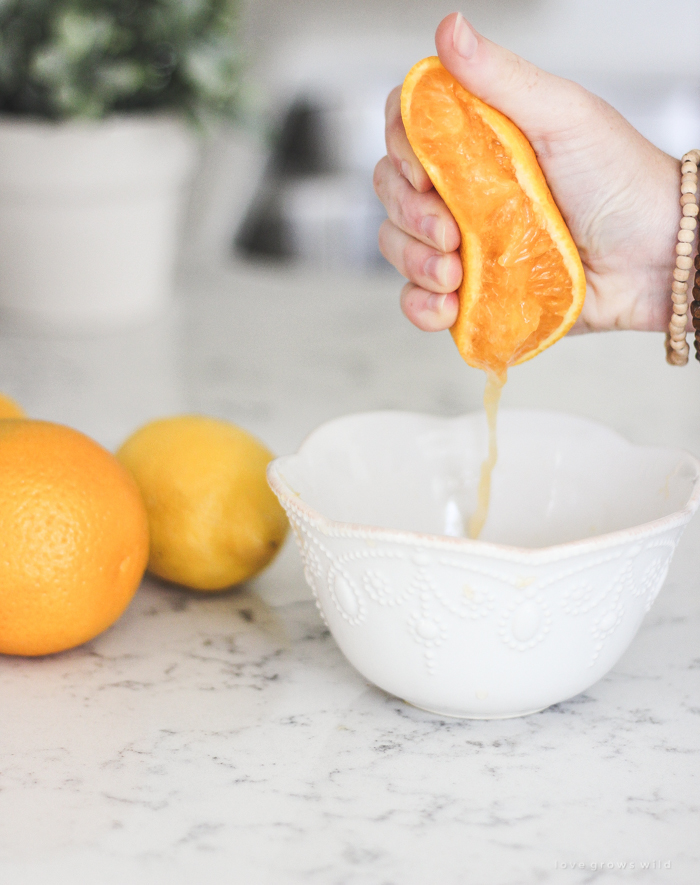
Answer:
(406, 171)
(435, 302)
(463, 38)
(434, 229)
(435, 267)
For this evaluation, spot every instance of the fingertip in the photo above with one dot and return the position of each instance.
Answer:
(414, 173)
(458, 43)
(429, 311)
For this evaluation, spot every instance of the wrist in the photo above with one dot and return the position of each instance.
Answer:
(656, 305)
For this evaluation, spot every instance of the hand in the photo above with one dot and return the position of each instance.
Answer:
(617, 192)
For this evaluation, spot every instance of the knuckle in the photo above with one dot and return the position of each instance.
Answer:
(522, 76)
(393, 100)
(412, 259)
(384, 238)
(378, 177)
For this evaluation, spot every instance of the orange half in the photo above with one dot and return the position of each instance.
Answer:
(523, 285)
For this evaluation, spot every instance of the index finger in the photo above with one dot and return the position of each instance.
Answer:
(398, 148)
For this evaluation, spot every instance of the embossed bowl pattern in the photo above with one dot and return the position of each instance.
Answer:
(580, 534)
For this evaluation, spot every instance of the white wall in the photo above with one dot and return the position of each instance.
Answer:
(642, 56)
(626, 37)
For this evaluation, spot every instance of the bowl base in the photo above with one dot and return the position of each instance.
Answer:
(476, 715)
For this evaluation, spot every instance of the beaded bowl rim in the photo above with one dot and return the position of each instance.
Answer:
(332, 528)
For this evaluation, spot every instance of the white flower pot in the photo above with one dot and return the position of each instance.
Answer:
(90, 216)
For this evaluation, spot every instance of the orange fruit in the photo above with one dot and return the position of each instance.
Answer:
(523, 284)
(214, 521)
(9, 408)
(73, 538)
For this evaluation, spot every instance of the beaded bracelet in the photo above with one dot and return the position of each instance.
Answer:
(676, 344)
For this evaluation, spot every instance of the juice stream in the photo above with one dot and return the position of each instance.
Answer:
(492, 396)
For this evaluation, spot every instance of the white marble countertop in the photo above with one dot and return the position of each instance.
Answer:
(224, 739)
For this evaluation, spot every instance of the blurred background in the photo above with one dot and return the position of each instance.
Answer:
(230, 266)
(304, 83)
(320, 73)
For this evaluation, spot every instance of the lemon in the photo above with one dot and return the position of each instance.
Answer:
(213, 519)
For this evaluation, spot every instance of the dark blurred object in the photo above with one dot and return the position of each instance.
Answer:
(317, 203)
(65, 59)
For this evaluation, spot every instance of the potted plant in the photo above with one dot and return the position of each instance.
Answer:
(97, 102)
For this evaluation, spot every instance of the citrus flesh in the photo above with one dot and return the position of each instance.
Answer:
(213, 519)
(9, 408)
(523, 284)
(73, 538)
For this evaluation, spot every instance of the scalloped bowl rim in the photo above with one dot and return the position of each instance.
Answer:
(489, 549)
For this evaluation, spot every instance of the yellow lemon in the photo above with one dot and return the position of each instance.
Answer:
(9, 408)
(212, 517)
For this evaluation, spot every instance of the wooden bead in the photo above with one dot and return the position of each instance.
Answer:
(675, 359)
(677, 350)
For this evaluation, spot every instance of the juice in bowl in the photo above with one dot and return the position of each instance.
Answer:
(582, 524)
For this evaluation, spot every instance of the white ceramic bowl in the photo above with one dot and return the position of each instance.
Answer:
(577, 544)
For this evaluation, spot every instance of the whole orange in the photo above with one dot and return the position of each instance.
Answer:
(9, 408)
(73, 538)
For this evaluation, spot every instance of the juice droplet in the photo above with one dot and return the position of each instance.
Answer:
(492, 396)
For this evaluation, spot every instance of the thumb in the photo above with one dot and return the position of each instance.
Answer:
(537, 102)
